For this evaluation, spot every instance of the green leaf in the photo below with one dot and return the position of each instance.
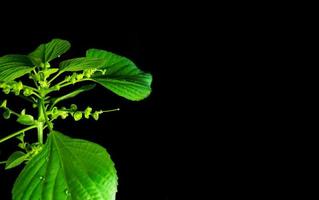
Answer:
(73, 94)
(49, 51)
(26, 119)
(122, 76)
(78, 64)
(15, 159)
(67, 168)
(14, 66)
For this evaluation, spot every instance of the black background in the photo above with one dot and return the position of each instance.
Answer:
(140, 137)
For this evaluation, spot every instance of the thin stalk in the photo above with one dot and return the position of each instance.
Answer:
(17, 133)
(70, 83)
(40, 132)
(45, 114)
(56, 76)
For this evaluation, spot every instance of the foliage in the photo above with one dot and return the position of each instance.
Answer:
(63, 167)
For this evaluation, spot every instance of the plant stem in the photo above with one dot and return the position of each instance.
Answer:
(45, 115)
(42, 120)
(56, 76)
(15, 113)
(17, 133)
(40, 132)
(70, 83)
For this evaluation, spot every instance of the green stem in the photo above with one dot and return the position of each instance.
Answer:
(70, 83)
(3, 162)
(43, 117)
(17, 133)
(15, 113)
(56, 76)
(40, 132)
(31, 88)
(35, 82)
(46, 116)
(112, 110)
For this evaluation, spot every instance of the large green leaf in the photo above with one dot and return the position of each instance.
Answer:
(14, 66)
(122, 76)
(78, 64)
(67, 168)
(49, 51)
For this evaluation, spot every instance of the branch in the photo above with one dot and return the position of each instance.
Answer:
(17, 133)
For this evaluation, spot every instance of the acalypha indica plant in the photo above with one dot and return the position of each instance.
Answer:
(58, 167)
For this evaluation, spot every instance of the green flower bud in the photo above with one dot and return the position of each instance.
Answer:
(22, 145)
(17, 87)
(68, 78)
(55, 113)
(44, 84)
(56, 87)
(87, 112)
(47, 65)
(6, 114)
(88, 72)
(96, 115)
(3, 85)
(64, 114)
(27, 92)
(23, 112)
(21, 137)
(42, 65)
(79, 77)
(73, 107)
(26, 119)
(6, 90)
(3, 104)
(77, 116)
(73, 78)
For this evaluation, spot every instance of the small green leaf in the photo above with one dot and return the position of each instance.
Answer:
(67, 168)
(26, 119)
(15, 159)
(14, 66)
(49, 51)
(3, 104)
(122, 76)
(79, 64)
(73, 94)
(77, 115)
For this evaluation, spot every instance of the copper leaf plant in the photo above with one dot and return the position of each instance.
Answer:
(59, 167)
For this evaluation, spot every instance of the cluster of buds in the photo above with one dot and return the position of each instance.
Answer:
(76, 77)
(16, 88)
(75, 113)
